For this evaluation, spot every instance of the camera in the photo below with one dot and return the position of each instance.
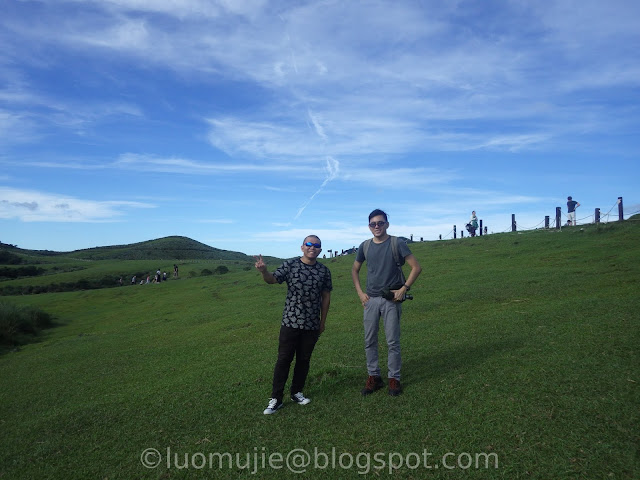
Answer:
(387, 293)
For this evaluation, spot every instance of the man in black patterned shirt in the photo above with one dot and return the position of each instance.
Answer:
(303, 319)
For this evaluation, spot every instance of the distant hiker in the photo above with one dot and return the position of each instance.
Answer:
(303, 319)
(473, 224)
(384, 255)
(133, 280)
(164, 276)
(571, 210)
(175, 271)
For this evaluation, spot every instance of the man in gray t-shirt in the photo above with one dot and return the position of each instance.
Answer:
(383, 272)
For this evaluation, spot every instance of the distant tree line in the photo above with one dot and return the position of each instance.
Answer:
(82, 284)
(106, 281)
(8, 258)
(12, 273)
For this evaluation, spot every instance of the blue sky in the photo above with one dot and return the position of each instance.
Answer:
(247, 125)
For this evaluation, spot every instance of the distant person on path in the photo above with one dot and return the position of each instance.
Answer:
(175, 271)
(571, 209)
(473, 222)
(303, 319)
(384, 255)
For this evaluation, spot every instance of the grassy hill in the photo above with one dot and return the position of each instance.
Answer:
(519, 349)
(167, 248)
(43, 271)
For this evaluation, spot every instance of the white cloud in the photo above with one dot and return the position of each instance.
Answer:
(33, 206)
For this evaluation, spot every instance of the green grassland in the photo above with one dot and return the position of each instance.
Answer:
(519, 349)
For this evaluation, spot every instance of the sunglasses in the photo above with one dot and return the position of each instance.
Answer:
(311, 244)
(377, 224)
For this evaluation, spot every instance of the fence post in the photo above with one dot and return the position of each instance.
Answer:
(558, 217)
(513, 222)
(546, 221)
(480, 227)
(454, 232)
(597, 215)
(620, 209)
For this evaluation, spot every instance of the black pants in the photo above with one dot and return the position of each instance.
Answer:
(293, 341)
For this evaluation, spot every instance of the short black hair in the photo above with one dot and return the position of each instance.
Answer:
(314, 236)
(377, 212)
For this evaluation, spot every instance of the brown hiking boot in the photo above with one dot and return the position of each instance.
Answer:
(395, 388)
(373, 384)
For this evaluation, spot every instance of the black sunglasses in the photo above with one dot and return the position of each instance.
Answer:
(377, 224)
(311, 244)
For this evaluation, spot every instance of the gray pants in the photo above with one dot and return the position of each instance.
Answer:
(390, 311)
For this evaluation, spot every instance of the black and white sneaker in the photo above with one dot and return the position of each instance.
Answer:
(273, 407)
(300, 399)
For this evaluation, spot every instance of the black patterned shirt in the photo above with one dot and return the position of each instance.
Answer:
(305, 284)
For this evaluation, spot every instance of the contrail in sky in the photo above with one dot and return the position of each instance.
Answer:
(333, 167)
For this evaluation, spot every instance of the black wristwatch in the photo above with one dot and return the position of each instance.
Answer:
(407, 287)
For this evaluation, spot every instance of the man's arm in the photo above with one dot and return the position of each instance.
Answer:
(324, 308)
(416, 269)
(262, 268)
(355, 276)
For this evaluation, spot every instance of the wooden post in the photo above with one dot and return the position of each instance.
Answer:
(620, 210)
(558, 217)
(546, 221)
(513, 222)
(480, 227)
(597, 216)
(454, 232)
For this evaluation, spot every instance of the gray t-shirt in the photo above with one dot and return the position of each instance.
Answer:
(382, 271)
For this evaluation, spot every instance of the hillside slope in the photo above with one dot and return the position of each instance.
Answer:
(166, 248)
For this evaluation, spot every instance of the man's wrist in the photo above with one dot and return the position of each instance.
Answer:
(407, 287)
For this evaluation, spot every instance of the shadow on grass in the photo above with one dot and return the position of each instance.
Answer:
(417, 369)
(425, 368)
(22, 339)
